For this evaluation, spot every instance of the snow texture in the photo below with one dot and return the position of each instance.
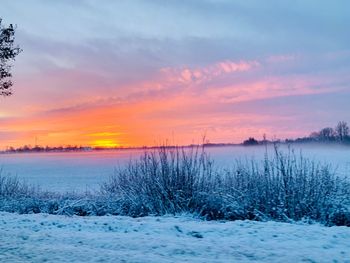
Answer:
(50, 238)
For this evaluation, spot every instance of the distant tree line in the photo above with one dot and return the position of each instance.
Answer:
(28, 148)
(339, 134)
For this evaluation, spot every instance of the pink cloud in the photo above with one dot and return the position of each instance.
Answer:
(269, 87)
(203, 74)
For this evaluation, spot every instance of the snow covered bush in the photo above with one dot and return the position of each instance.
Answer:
(283, 187)
(288, 186)
(11, 186)
(163, 181)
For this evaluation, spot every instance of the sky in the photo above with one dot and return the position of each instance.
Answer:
(134, 73)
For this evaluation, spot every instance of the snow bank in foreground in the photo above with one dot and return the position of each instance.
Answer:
(49, 238)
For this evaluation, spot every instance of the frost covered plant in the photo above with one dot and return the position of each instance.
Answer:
(167, 180)
(288, 187)
(284, 187)
(11, 186)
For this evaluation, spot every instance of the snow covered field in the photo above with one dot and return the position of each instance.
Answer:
(50, 238)
(80, 171)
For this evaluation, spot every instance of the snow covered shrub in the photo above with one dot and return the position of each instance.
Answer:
(283, 187)
(20, 197)
(167, 180)
(11, 186)
(287, 187)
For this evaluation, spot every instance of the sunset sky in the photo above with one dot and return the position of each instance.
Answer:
(132, 73)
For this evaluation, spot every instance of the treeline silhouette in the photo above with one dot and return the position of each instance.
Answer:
(28, 148)
(339, 134)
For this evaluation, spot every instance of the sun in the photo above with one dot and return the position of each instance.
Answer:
(105, 143)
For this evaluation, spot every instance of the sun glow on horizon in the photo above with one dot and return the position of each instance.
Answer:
(105, 143)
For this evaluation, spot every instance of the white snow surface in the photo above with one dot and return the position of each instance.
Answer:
(81, 171)
(51, 238)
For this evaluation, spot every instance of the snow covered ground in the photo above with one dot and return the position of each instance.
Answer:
(81, 171)
(50, 238)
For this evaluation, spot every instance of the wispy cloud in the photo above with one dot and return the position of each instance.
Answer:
(198, 75)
